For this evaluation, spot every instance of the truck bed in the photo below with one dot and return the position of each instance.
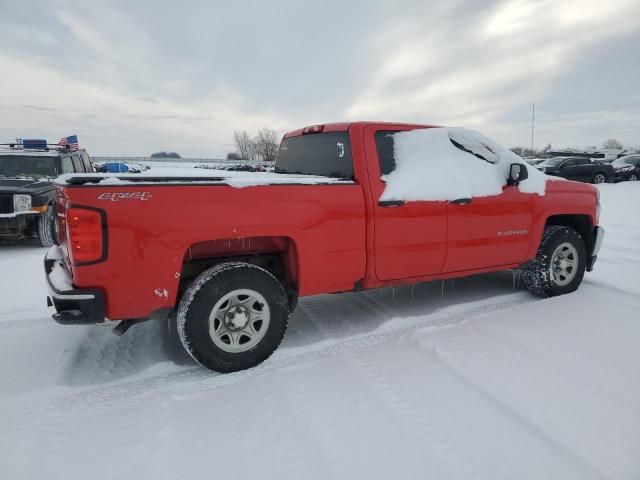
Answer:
(156, 224)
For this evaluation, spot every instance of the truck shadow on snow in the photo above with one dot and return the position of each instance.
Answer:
(103, 357)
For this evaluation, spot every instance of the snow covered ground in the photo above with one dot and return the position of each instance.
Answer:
(466, 379)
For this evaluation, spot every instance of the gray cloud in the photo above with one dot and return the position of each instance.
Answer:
(135, 77)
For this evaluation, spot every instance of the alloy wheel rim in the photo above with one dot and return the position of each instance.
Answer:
(599, 178)
(239, 320)
(564, 264)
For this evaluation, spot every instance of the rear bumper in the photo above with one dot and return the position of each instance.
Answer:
(598, 237)
(75, 306)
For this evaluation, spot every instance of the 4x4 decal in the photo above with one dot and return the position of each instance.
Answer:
(116, 196)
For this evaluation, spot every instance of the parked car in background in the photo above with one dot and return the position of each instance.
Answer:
(626, 168)
(120, 167)
(582, 169)
(27, 192)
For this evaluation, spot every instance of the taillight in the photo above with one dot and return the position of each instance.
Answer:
(85, 235)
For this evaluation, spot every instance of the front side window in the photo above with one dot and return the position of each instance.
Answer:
(384, 146)
(325, 154)
(67, 166)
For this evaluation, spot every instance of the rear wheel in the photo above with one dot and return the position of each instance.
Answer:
(233, 317)
(46, 228)
(633, 177)
(599, 178)
(559, 265)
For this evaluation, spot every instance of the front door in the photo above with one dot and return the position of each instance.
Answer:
(489, 231)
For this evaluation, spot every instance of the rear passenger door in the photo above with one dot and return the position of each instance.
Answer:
(409, 237)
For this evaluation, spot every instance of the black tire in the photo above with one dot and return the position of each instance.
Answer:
(599, 177)
(46, 228)
(538, 276)
(206, 291)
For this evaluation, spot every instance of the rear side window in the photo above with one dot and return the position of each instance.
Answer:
(325, 154)
(384, 145)
(77, 164)
(87, 163)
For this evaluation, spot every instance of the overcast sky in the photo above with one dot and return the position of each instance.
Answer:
(134, 77)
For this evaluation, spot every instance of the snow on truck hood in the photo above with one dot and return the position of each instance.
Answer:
(429, 167)
(190, 175)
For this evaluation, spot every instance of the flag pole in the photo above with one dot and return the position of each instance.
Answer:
(533, 119)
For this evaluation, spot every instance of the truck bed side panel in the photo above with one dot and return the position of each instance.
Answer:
(148, 239)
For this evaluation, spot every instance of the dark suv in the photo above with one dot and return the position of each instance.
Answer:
(27, 191)
(583, 169)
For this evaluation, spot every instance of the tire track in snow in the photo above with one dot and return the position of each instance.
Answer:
(119, 395)
(463, 361)
(411, 411)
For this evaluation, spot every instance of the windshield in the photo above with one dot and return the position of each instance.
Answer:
(551, 162)
(17, 166)
(622, 161)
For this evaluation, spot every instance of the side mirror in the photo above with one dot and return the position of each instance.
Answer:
(517, 173)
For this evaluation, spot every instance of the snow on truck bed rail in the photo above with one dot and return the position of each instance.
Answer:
(429, 166)
(191, 175)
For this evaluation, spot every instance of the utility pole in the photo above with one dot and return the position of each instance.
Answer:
(533, 120)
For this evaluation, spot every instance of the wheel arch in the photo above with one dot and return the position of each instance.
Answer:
(579, 222)
(276, 254)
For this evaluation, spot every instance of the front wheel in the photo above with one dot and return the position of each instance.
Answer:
(46, 228)
(233, 317)
(559, 265)
(599, 178)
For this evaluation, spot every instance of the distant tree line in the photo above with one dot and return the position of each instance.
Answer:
(528, 152)
(612, 143)
(263, 147)
(165, 155)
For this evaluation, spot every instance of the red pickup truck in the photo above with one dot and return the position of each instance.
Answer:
(229, 263)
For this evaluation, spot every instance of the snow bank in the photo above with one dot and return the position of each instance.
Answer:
(430, 167)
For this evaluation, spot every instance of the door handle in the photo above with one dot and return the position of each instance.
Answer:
(462, 201)
(390, 203)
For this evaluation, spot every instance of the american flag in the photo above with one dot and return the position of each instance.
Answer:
(71, 141)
